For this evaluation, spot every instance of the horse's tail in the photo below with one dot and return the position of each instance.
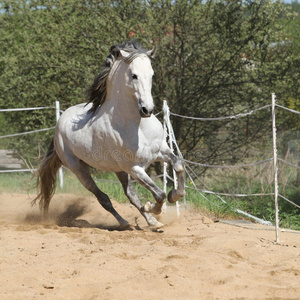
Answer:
(46, 179)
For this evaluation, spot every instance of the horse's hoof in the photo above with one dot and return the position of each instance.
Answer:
(156, 225)
(174, 196)
(124, 225)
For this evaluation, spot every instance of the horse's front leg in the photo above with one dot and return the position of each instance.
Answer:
(159, 195)
(132, 195)
(177, 164)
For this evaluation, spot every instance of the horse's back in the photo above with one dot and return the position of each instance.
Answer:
(72, 137)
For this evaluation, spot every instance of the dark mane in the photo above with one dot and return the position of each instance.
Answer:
(96, 93)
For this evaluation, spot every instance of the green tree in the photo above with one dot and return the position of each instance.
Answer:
(222, 58)
(50, 50)
(214, 58)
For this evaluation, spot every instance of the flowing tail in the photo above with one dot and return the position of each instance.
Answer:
(46, 179)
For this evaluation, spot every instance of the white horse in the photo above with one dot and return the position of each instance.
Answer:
(115, 131)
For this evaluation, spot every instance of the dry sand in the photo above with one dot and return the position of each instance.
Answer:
(82, 255)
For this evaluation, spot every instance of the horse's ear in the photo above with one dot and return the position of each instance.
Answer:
(151, 53)
(124, 53)
(109, 61)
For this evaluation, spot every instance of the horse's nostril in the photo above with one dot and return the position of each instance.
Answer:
(145, 110)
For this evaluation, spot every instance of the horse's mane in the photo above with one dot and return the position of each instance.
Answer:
(96, 93)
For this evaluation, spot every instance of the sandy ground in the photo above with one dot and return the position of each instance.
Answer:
(82, 255)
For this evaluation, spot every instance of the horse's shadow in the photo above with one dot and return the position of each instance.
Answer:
(70, 218)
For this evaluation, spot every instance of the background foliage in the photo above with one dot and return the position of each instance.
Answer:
(215, 58)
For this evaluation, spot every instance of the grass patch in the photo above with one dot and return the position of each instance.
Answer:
(17, 183)
(210, 205)
(109, 184)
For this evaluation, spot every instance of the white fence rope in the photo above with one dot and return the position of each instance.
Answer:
(18, 170)
(220, 198)
(229, 195)
(220, 194)
(289, 201)
(26, 132)
(222, 118)
(229, 166)
(290, 110)
(23, 109)
(287, 163)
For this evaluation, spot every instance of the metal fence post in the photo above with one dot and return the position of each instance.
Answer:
(168, 126)
(60, 171)
(275, 167)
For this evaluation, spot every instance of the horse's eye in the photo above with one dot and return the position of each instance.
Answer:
(134, 76)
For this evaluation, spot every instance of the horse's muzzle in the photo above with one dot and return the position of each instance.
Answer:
(145, 107)
(145, 113)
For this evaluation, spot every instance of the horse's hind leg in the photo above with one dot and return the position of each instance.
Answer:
(81, 170)
(132, 195)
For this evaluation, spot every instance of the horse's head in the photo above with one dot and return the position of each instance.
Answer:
(127, 71)
(138, 80)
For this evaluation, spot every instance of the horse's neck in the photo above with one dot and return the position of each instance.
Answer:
(119, 104)
(122, 109)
